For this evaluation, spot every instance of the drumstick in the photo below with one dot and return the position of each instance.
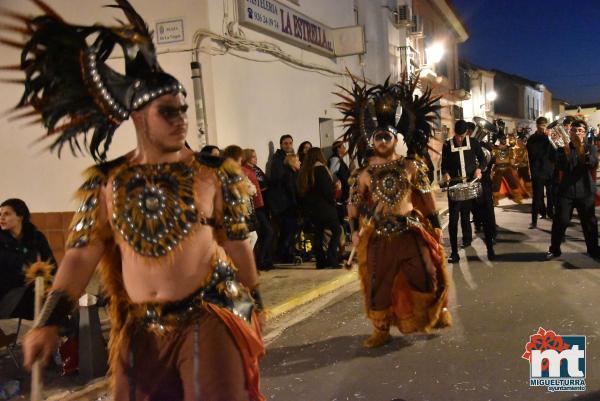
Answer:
(36, 370)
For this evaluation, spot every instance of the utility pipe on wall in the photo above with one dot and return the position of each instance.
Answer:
(199, 103)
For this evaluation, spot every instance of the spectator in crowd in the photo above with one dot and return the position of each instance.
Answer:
(262, 249)
(235, 153)
(341, 173)
(211, 150)
(21, 245)
(316, 187)
(282, 198)
(288, 219)
(303, 149)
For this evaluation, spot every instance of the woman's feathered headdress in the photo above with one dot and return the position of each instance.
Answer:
(69, 84)
(367, 110)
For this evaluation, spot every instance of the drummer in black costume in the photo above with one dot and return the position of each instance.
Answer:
(461, 158)
(484, 204)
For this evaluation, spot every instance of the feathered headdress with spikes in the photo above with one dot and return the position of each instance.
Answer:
(70, 86)
(367, 110)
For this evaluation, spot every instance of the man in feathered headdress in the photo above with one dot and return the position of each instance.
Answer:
(393, 216)
(167, 225)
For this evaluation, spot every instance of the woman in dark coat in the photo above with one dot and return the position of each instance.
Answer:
(316, 187)
(21, 245)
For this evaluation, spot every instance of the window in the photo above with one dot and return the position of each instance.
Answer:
(458, 112)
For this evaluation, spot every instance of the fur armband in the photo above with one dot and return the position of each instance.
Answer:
(56, 310)
(434, 219)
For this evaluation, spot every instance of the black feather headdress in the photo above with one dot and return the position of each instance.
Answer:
(367, 110)
(68, 83)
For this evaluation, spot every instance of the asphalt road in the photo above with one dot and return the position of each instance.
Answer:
(496, 307)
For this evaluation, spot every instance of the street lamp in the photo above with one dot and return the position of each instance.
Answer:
(435, 52)
(490, 97)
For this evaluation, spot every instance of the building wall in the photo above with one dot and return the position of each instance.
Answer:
(533, 106)
(30, 172)
(249, 103)
(547, 106)
(509, 97)
(256, 101)
(590, 114)
(558, 108)
(251, 98)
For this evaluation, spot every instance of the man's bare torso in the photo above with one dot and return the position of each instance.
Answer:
(186, 267)
(401, 208)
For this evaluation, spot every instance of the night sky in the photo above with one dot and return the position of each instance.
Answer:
(553, 42)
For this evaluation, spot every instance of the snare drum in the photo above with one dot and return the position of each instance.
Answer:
(465, 191)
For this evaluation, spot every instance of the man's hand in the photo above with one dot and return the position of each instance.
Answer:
(39, 344)
(478, 173)
(355, 239)
(438, 234)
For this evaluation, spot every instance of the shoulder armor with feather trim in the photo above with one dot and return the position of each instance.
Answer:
(86, 226)
(235, 200)
(421, 179)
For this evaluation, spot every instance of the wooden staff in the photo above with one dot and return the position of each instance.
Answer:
(348, 264)
(36, 371)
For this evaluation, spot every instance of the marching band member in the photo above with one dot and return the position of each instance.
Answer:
(540, 153)
(461, 158)
(576, 189)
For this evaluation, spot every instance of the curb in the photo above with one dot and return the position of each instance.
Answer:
(91, 391)
(310, 295)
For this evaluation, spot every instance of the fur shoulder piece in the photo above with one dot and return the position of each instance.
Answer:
(421, 179)
(86, 226)
(235, 200)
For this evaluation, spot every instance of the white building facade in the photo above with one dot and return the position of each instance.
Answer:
(263, 68)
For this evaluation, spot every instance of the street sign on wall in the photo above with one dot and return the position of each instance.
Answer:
(276, 19)
(170, 31)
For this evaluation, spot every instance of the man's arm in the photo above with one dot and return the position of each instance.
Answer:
(243, 258)
(334, 166)
(85, 246)
(445, 158)
(73, 276)
(76, 269)
(479, 154)
(591, 156)
(277, 169)
(232, 230)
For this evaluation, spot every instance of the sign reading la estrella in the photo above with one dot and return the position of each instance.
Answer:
(286, 23)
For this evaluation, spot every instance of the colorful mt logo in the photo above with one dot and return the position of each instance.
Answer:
(556, 362)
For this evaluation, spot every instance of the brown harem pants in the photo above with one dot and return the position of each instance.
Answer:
(405, 254)
(165, 367)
